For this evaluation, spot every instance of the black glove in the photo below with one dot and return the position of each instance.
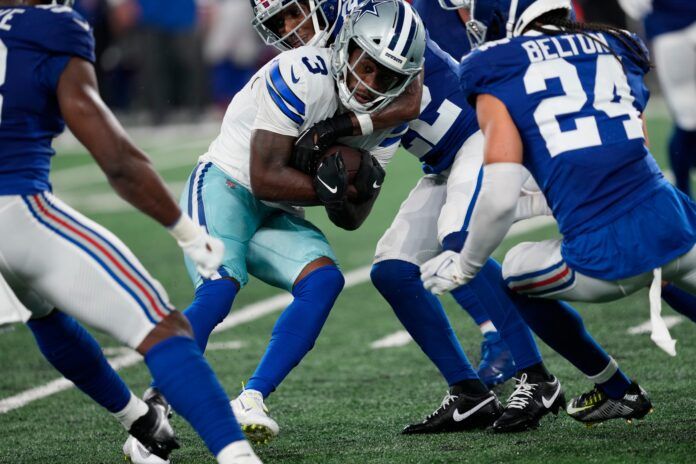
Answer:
(369, 178)
(331, 181)
(313, 142)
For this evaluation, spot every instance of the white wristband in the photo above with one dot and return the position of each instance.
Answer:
(184, 230)
(365, 121)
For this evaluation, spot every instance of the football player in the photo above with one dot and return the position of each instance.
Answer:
(623, 224)
(447, 140)
(64, 267)
(245, 191)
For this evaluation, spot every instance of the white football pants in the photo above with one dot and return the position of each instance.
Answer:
(53, 257)
(675, 60)
(538, 269)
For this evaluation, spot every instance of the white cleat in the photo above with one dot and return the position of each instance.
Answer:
(239, 452)
(253, 417)
(136, 453)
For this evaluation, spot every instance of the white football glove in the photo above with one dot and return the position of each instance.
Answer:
(205, 251)
(443, 273)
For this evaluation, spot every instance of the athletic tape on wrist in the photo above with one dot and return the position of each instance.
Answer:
(365, 121)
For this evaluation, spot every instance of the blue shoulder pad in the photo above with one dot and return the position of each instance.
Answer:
(61, 30)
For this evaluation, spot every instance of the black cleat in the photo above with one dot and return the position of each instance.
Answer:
(154, 396)
(153, 430)
(595, 406)
(460, 412)
(529, 403)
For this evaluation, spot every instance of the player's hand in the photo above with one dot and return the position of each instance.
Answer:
(331, 181)
(443, 273)
(313, 142)
(205, 251)
(369, 178)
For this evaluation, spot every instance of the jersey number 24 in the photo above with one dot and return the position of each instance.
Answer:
(610, 76)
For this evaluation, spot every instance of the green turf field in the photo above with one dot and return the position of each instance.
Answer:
(347, 402)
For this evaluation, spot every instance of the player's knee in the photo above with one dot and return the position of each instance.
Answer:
(326, 280)
(514, 264)
(174, 325)
(393, 274)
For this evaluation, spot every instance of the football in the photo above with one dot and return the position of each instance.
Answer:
(351, 158)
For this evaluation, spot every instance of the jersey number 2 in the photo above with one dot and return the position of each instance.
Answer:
(610, 78)
(3, 71)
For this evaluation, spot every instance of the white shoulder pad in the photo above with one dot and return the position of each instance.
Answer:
(298, 91)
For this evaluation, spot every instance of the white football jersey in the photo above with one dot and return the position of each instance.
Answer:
(289, 94)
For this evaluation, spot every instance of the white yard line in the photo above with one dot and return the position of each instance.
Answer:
(646, 327)
(237, 317)
(397, 339)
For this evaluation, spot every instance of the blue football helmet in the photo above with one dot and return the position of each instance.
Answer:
(268, 14)
(497, 19)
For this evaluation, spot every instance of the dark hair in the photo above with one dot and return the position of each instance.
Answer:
(560, 19)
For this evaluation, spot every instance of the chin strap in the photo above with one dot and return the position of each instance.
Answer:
(660, 333)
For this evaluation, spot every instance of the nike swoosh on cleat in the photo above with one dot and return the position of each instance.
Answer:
(375, 185)
(331, 189)
(295, 80)
(460, 417)
(83, 24)
(571, 410)
(549, 403)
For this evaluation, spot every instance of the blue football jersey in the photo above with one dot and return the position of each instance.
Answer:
(446, 118)
(444, 26)
(36, 44)
(669, 15)
(578, 110)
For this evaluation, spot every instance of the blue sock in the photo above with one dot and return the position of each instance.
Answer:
(504, 312)
(682, 156)
(464, 295)
(189, 384)
(471, 303)
(561, 327)
(297, 328)
(210, 306)
(679, 300)
(423, 316)
(77, 355)
(616, 386)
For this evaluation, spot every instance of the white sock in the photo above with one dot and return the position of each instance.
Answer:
(134, 410)
(236, 452)
(487, 327)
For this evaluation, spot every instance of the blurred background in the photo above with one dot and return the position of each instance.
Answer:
(178, 61)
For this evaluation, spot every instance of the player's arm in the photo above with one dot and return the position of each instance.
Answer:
(272, 177)
(494, 212)
(127, 168)
(313, 142)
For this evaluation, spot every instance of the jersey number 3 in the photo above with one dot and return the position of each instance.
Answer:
(610, 78)
(3, 72)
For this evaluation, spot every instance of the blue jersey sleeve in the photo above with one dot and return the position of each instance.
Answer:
(478, 76)
(65, 32)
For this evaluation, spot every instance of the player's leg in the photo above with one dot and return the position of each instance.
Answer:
(290, 253)
(231, 213)
(96, 279)
(675, 59)
(538, 269)
(410, 241)
(463, 181)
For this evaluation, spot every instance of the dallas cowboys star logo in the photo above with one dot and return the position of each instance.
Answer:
(370, 6)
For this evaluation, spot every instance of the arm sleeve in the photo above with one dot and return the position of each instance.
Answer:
(282, 98)
(493, 214)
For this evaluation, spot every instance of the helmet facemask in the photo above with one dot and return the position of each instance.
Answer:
(309, 16)
(378, 52)
(352, 66)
